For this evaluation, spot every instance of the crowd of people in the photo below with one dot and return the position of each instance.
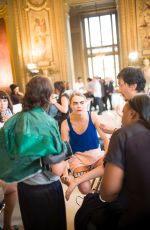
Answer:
(55, 139)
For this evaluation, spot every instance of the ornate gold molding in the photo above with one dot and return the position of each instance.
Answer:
(36, 3)
(4, 15)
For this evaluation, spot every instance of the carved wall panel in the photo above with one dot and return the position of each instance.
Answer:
(40, 33)
(42, 36)
(143, 26)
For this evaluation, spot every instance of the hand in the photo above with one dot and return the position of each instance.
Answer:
(65, 179)
(5, 118)
(53, 101)
(107, 128)
(71, 187)
(118, 110)
(20, 94)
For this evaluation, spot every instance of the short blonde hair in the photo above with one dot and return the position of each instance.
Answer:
(76, 93)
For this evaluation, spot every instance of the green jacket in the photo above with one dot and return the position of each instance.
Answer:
(24, 139)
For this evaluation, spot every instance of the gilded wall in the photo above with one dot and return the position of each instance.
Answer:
(39, 32)
(39, 36)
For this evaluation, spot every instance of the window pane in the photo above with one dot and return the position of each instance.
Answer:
(106, 49)
(90, 67)
(117, 63)
(94, 31)
(96, 51)
(89, 52)
(106, 30)
(109, 66)
(114, 28)
(101, 51)
(87, 36)
(116, 49)
(98, 66)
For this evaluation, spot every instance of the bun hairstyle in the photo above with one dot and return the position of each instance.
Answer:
(141, 104)
(13, 86)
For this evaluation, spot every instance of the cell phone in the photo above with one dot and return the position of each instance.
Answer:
(2, 115)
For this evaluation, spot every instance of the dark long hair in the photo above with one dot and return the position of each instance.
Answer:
(141, 104)
(38, 92)
(4, 95)
(60, 86)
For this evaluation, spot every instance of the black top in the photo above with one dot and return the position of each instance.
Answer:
(129, 149)
(60, 117)
(15, 99)
(108, 88)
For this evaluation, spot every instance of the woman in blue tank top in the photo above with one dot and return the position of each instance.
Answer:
(81, 129)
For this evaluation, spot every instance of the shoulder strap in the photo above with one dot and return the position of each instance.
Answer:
(69, 123)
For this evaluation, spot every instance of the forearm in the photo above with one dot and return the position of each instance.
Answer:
(59, 168)
(61, 108)
(106, 143)
(96, 172)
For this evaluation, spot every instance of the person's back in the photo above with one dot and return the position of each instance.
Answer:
(135, 196)
(128, 158)
(125, 186)
(31, 140)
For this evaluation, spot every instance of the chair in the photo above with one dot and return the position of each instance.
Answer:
(95, 185)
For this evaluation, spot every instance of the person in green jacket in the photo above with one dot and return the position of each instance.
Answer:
(34, 154)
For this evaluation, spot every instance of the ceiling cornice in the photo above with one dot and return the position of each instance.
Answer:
(85, 6)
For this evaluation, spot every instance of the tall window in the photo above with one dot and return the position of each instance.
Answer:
(102, 45)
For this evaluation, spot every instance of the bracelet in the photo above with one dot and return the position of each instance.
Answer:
(102, 199)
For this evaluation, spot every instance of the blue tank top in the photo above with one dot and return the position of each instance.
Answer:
(86, 141)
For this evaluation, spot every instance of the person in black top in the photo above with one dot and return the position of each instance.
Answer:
(15, 95)
(62, 104)
(108, 91)
(125, 186)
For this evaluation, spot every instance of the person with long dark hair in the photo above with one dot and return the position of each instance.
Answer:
(15, 95)
(62, 104)
(10, 190)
